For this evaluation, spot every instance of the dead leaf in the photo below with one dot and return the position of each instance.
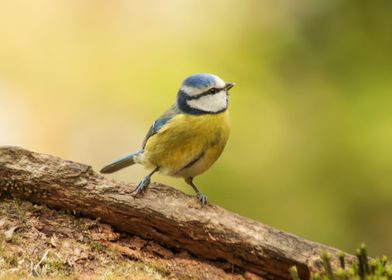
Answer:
(104, 232)
(10, 233)
(54, 241)
(125, 251)
(159, 250)
(183, 255)
(137, 243)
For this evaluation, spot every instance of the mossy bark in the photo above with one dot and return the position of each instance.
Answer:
(162, 214)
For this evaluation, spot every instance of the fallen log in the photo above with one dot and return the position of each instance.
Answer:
(162, 214)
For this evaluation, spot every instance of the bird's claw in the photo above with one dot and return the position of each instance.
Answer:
(202, 198)
(142, 185)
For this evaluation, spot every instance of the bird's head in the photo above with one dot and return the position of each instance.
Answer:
(203, 94)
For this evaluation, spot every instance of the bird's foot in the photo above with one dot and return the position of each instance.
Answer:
(202, 198)
(142, 185)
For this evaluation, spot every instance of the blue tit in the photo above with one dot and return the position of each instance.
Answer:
(188, 138)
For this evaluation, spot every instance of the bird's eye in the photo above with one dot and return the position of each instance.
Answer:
(213, 90)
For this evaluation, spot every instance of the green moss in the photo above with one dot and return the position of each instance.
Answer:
(16, 239)
(13, 275)
(362, 269)
(21, 214)
(2, 240)
(161, 270)
(55, 265)
(138, 270)
(97, 246)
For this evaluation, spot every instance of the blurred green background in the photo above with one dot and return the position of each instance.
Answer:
(311, 144)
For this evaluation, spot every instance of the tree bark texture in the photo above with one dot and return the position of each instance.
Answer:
(162, 214)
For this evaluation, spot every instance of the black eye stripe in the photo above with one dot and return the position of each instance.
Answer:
(208, 92)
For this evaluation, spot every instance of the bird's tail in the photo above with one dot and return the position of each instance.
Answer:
(121, 163)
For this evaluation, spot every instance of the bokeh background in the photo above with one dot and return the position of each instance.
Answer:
(311, 144)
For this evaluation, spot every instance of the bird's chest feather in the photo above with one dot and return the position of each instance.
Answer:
(188, 143)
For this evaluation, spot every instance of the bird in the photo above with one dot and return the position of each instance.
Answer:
(188, 138)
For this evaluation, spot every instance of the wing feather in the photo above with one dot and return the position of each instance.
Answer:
(161, 122)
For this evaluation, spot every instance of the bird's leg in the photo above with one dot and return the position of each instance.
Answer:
(200, 196)
(144, 182)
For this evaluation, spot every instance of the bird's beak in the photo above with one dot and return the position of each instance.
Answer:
(229, 86)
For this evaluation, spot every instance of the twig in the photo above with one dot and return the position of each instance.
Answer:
(34, 271)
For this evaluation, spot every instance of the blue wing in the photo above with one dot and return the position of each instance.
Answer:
(130, 159)
(161, 122)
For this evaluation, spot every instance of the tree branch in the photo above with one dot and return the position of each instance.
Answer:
(162, 213)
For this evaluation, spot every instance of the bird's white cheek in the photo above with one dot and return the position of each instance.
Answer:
(210, 103)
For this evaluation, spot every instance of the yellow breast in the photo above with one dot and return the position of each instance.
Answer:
(188, 145)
